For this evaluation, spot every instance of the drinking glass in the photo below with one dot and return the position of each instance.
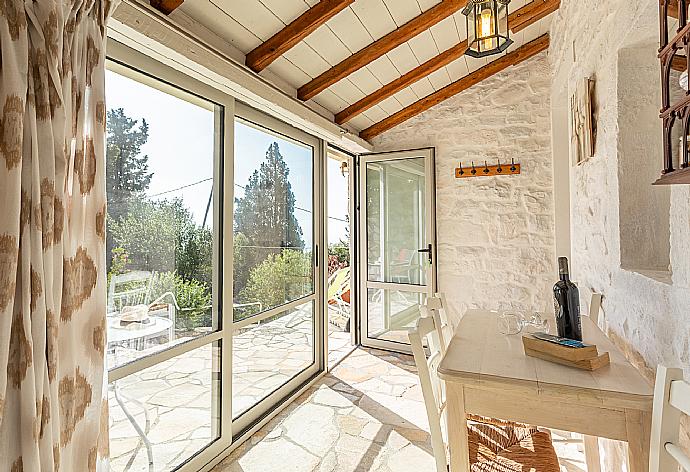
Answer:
(510, 323)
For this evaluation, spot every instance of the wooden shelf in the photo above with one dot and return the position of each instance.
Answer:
(680, 176)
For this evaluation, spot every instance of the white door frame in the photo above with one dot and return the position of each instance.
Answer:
(362, 250)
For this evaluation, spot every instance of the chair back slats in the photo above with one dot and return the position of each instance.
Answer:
(678, 455)
(680, 396)
(432, 388)
(671, 400)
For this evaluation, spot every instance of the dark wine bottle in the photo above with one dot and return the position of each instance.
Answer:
(566, 300)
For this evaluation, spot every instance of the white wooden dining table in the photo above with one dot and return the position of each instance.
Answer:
(487, 373)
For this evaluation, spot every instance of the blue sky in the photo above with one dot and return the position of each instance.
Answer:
(180, 150)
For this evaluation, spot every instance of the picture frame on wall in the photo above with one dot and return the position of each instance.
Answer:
(582, 123)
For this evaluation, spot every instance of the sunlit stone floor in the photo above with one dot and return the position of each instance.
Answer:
(366, 415)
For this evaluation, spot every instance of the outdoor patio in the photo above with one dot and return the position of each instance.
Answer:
(174, 402)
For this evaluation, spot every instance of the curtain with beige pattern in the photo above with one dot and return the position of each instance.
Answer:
(53, 412)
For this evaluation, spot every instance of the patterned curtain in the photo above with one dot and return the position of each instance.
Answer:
(53, 412)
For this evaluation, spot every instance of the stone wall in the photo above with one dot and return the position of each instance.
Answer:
(495, 235)
(646, 313)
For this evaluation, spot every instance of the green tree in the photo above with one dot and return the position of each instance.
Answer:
(279, 278)
(266, 213)
(127, 170)
(162, 236)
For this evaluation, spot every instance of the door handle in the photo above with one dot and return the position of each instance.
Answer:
(429, 253)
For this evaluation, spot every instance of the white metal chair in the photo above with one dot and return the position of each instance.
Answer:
(495, 445)
(671, 400)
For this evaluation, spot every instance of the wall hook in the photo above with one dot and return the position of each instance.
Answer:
(487, 170)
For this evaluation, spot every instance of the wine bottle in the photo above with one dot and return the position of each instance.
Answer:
(566, 300)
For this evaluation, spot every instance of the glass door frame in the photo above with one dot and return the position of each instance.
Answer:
(362, 251)
(351, 160)
(121, 57)
(255, 414)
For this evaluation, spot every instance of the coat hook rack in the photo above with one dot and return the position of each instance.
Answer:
(487, 170)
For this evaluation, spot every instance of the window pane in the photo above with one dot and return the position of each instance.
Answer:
(396, 222)
(160, 220)
(391, 313)
(273, 220)
(266, 355)
(175, 407)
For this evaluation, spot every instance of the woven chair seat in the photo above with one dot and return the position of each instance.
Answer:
(504, 446)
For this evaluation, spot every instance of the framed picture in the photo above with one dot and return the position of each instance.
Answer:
(582, 124)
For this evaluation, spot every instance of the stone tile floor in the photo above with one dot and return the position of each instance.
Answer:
(173, 402)
(366, 415)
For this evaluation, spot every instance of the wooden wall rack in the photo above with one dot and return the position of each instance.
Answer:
(486, 170)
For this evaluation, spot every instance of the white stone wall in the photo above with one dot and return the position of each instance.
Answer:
(495, 234)
(647, 316)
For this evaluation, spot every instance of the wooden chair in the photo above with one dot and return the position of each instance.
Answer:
(671, 400)
(495, 445)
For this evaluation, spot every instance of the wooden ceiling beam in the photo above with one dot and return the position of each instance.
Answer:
(281, 42)
(531, 13)
(510, 59)
(166, 6)
(523, 17)
(433, 64)
(379, 47)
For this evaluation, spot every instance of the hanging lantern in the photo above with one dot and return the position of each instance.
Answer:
(487, 27)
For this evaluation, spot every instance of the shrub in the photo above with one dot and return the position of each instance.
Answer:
(193, 298)
(279, 278)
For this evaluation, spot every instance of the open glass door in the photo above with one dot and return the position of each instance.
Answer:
(396, 244)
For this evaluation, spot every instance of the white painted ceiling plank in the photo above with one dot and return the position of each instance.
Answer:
(375, 114)
(445, 33)
(347, 91)
(532, 32)
(403, 11)
(350, 30)
(426, 4)
(330, 101)
(360, 122)
(286, 10)
(217, 20)
(406, 97)
(365, 80)
(383, 69)
(325, 42)
(458, 69)
(307, 59)
(403, 58)
(375, 17)
(254, 16)
(422, 87)
(391, 105)
(439, 78)
(289, 72)
(423, 46)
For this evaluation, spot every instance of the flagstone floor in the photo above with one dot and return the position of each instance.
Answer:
(175, 402)
(366, 415)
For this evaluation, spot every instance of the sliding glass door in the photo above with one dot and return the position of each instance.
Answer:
(277, 308)
(397, 244)
(167, 323)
